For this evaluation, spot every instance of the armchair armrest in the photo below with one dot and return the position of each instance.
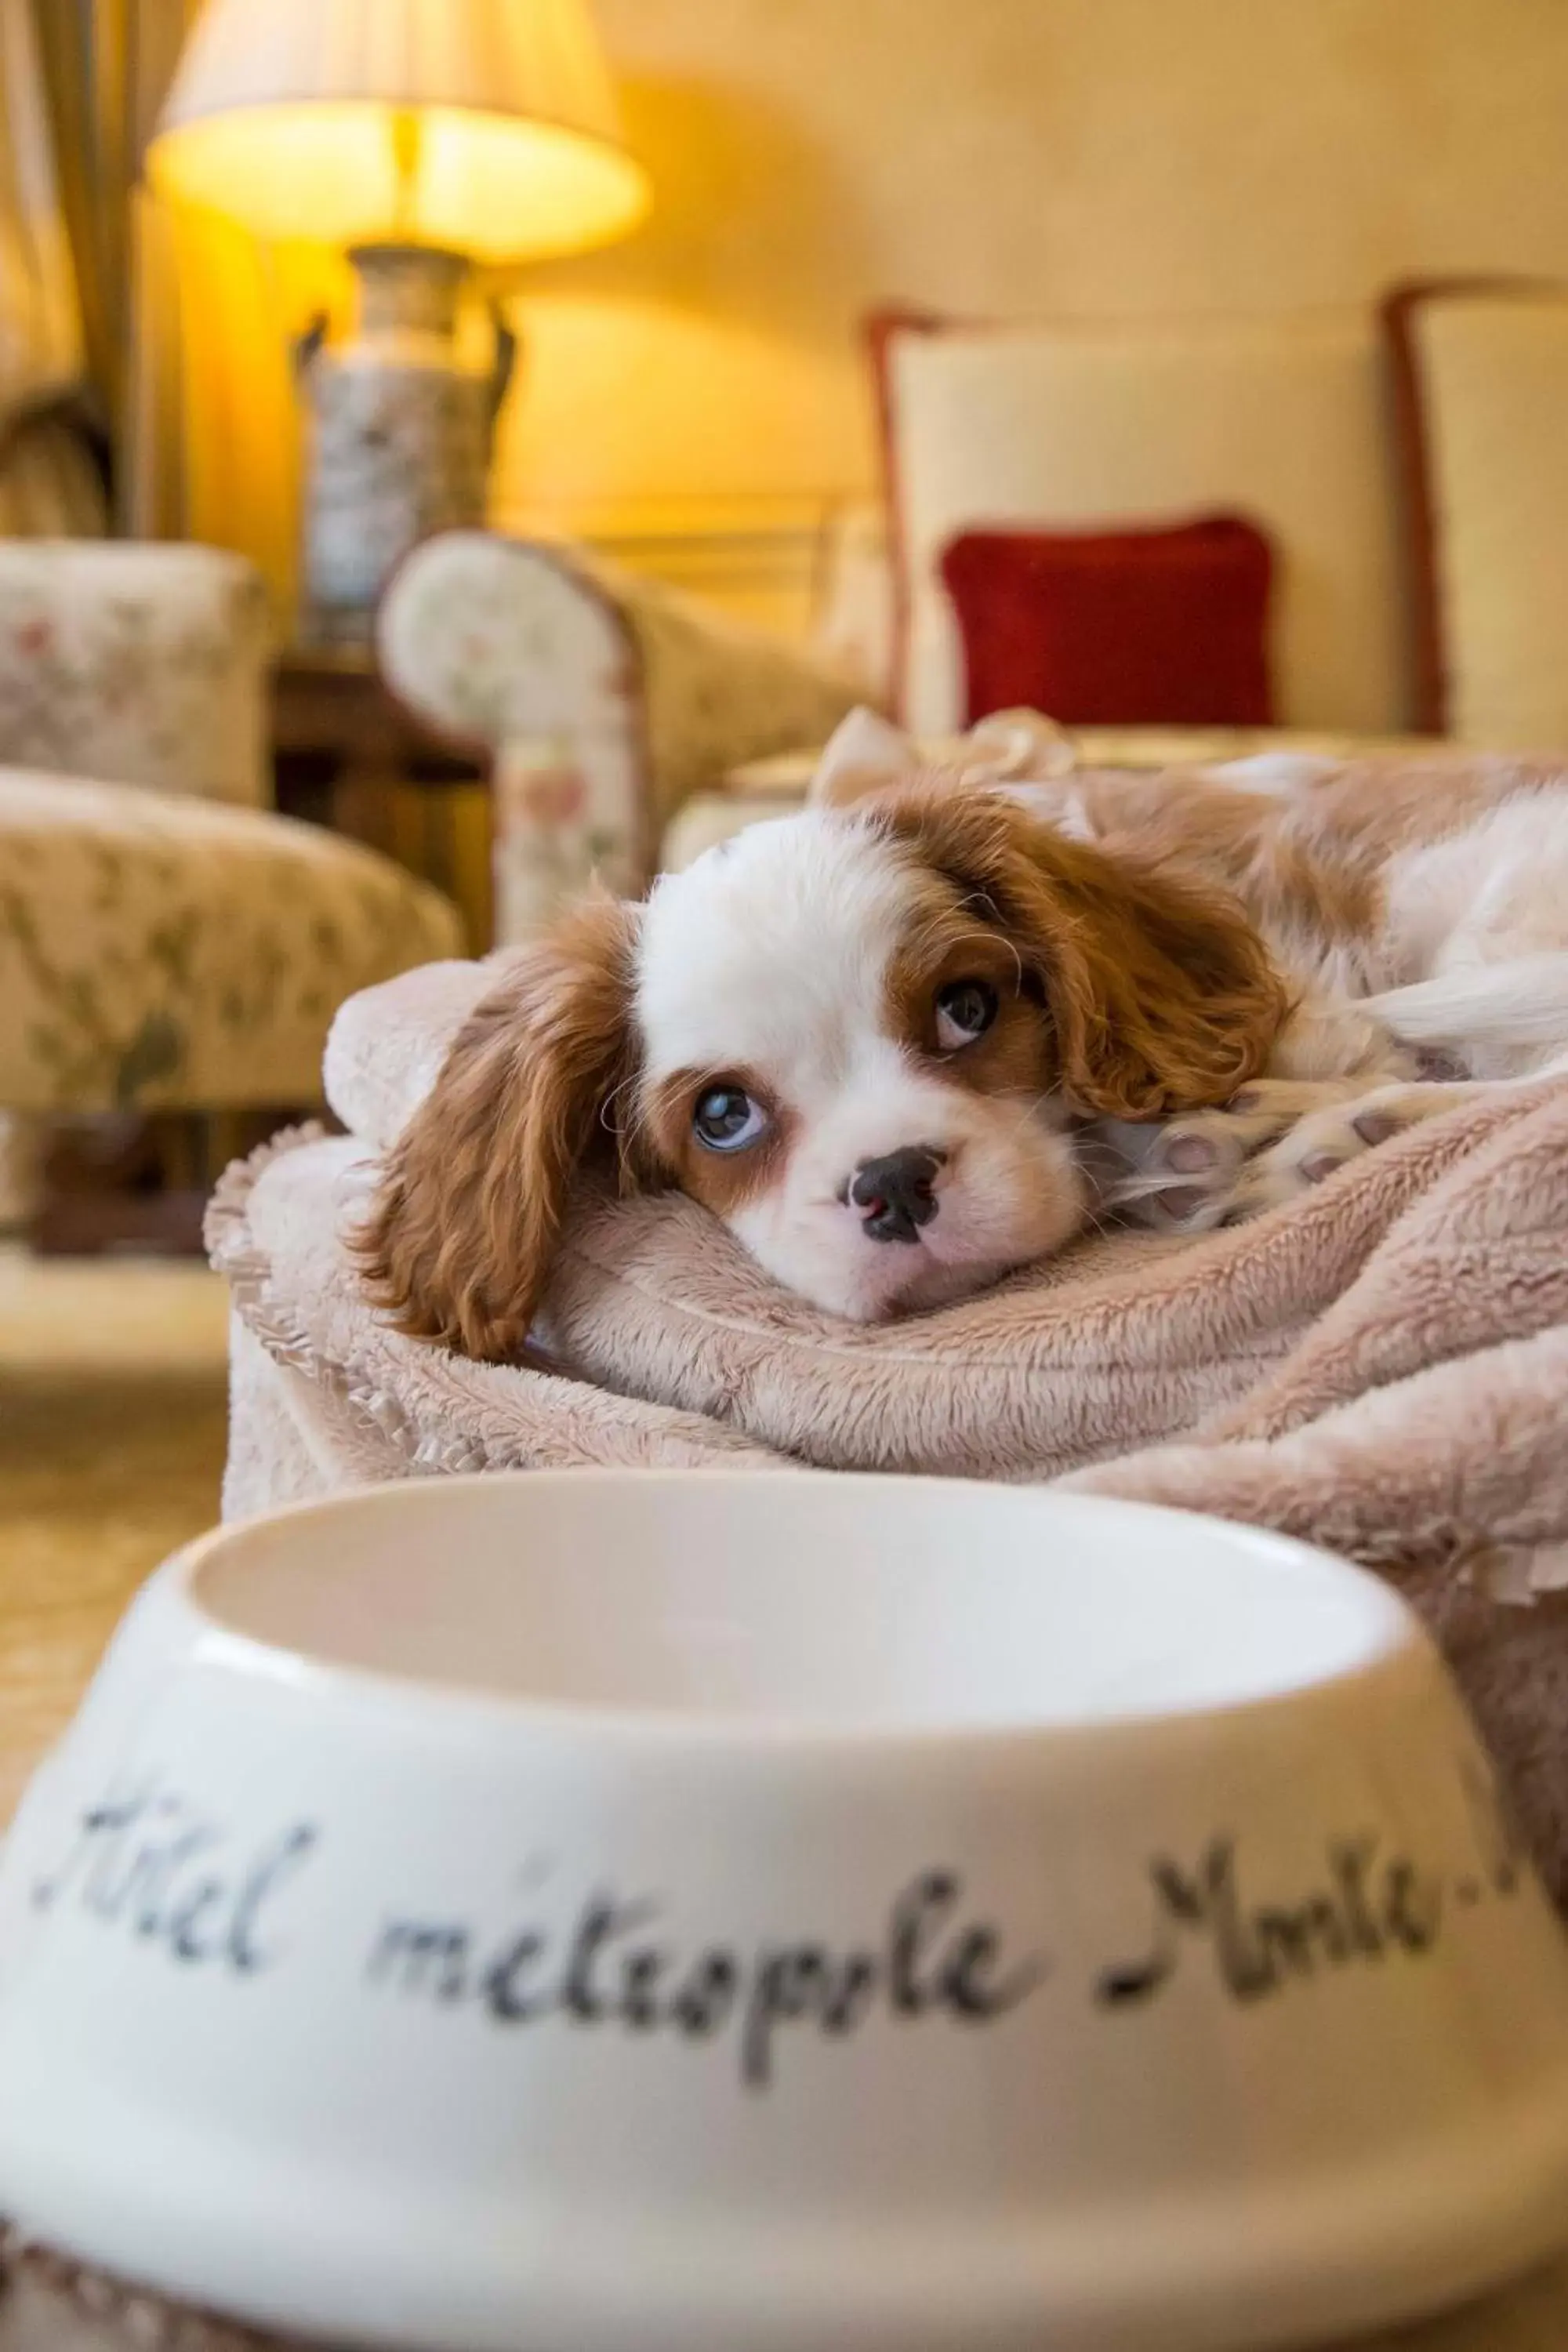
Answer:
(135, 664)
(606, 701)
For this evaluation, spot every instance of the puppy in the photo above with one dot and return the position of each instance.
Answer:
(864, 1037)
(919, 1034)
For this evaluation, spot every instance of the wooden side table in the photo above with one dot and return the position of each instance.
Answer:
(347, 755)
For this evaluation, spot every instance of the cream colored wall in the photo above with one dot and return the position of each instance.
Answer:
(1106, 156)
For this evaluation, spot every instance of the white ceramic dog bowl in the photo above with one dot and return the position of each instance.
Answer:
(778, 1914)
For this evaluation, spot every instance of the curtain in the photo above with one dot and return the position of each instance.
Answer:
(50, 480)
(86, 120)
(41, 332)
(101, 67)
(184, 322)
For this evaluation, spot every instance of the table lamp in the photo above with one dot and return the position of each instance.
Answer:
(423, 136)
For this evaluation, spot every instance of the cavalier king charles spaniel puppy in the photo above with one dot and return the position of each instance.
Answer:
(920, 1034)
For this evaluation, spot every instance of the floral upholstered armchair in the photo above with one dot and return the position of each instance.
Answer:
(605, 705)
(145, 664)
(179, 946)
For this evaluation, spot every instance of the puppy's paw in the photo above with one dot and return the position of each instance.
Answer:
(1183, 1175)
(1328, 1138)
(1275, 1139)
(1178, 1176)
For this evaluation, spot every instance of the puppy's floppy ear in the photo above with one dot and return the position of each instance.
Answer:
(465, 1218)
(1162, 994)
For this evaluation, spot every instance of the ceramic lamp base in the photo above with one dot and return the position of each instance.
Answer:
(400, 432)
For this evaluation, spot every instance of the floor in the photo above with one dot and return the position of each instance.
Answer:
(111, 1444)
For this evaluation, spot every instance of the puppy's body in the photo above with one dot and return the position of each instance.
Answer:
(888, 1044)
(1360, 882)
(1417, 916)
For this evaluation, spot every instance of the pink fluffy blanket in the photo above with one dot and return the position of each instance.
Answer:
(1382, 1368)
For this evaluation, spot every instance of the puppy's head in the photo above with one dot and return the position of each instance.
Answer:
(861, 1037)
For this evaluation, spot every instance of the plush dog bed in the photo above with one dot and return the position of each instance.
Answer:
(1382, 1368)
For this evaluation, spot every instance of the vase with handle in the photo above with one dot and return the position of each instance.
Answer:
(401, 428)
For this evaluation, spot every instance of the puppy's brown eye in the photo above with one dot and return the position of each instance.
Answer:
(727, 1119)
(964, 1011)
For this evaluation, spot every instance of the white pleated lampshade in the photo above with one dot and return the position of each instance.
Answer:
(487, 127)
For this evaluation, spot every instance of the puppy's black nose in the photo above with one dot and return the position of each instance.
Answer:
(897, 1192)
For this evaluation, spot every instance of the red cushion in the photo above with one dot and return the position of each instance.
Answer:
(1117, 629)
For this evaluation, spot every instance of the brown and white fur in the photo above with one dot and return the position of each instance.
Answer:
(1171, 970)
(1428, 903)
